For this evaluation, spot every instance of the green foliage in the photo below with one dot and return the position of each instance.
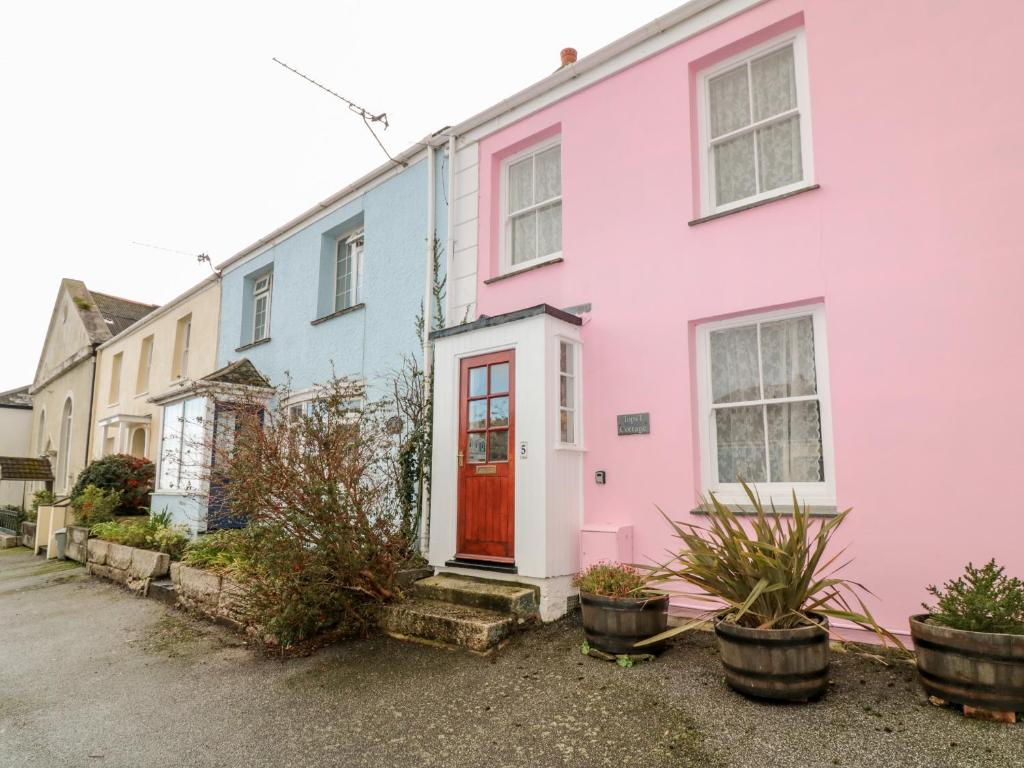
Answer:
(131, 477)
(148, 533)
(41, 498)
(95, 505)
(220, 551)
(611, 580)
(982, 600)
(772, 571)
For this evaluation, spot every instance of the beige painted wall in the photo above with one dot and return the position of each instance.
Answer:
(15, 434)
(65, 371)
(132, 402)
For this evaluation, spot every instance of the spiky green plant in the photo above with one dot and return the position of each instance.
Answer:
(771, 571)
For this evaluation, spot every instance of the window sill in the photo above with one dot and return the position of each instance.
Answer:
(746, 510)
(252, 344)
(755, 204)
(339, 313)
(549, 262)
(570, 448)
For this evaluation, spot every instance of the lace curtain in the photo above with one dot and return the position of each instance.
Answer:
(757, 90)
(765, 441)
(536, 231)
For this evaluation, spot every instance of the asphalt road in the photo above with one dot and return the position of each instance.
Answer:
(91, 676)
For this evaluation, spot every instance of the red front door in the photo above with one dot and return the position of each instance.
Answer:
(487, 411)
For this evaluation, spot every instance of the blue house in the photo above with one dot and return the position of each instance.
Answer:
(339, 288)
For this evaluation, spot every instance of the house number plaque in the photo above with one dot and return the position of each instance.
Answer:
(634, 423)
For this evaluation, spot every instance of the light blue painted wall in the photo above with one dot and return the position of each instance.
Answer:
(367, 343)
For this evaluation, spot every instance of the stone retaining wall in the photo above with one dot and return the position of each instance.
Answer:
(208, 594)
(134, 568)
(75, 549)
(28, 535)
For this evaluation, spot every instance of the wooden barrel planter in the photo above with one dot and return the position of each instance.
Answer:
(616, 624)
(983, 670)
(778, 664)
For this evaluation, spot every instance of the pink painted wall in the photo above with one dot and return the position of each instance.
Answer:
(913, 242)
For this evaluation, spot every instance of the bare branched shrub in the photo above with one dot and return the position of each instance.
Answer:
(326, 531)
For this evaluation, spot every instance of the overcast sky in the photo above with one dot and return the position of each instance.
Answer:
(169, 124)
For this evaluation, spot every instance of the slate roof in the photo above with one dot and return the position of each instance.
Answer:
(239, 372)
(16, 398)
(19, 468)
(120, 313)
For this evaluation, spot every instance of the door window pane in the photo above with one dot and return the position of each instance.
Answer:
(787, 358)
(476, 447)
(499, 412)
(499, 378)
(477, 414)
(734, 376)
(794, 442)
(741, 444)
(734, 169)
(498, 446)
(729, 101)
(477, 381)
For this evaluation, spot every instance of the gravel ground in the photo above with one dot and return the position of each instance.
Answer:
(91, 676)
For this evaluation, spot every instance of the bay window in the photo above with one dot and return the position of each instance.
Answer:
(183, 445)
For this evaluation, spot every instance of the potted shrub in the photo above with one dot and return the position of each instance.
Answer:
(774, 588)
(970, 644)
(619, 608)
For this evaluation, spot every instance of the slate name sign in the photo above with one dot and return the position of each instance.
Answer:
(634, 423)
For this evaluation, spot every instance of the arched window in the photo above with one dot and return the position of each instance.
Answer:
(138, 446)
(63, 460)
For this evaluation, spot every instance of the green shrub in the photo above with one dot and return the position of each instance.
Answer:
(612, 580)
(95, 505)
(221, 551)
(131, 477)
(982, 600)
(149, 533)
(771, 571)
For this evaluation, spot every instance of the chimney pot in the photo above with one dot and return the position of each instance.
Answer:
(568, 56)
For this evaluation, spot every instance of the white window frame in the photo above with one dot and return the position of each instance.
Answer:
(816, 494)
(181, 448)
(262, 287)
(355, 243)
(577, 422)
(797, 39)
(505, 249)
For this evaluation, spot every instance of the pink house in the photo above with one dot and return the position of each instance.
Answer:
(773, 239)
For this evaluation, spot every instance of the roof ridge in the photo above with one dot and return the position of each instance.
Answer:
(122, 298)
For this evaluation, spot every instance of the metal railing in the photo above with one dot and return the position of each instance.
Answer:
(10, 520)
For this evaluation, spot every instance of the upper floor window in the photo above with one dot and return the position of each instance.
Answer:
(261, 307)
(182, 344)
(755, 125)
(764, 406)
(145, 366)
(115, 378)
(532, 193)
(348, 271)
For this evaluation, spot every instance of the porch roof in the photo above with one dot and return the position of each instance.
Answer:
(509, 317)
(23, 468)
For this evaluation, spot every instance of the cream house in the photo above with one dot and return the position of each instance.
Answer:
(15, 438)
(62, 391)
(153, 359)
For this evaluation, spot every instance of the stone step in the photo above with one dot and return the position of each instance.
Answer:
(489, 594)
(164, 591)
(434, 621)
